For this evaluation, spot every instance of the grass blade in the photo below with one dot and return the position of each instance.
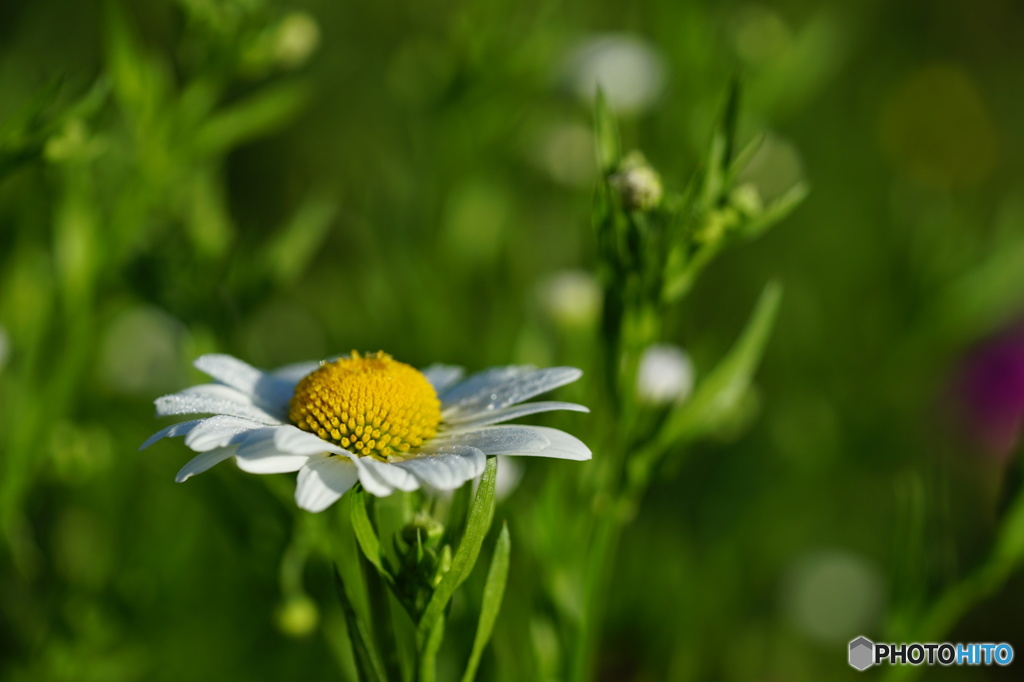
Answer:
(366, 536)
(469, 549)
(494, 591)
(367, 659)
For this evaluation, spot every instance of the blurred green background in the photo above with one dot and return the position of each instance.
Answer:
(288, 181)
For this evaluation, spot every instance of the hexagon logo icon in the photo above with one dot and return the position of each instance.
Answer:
(862, 653)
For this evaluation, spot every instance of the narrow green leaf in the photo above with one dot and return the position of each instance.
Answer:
(722, 389)
(427, 667)
(458, 512)
(138, 78)
(494, 591)
(469, 549)
(730, 119)
(366, 536)
(367, 659)
(251, 118)
(606, 134)
(719, 156)
(776, 211)
(299, 241)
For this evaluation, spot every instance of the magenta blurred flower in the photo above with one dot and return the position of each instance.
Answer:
(991, 389)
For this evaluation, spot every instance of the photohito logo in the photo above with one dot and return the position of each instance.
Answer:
(864, 653)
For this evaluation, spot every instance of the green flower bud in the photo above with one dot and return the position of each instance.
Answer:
(298, 616)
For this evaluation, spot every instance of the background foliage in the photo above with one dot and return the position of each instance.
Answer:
(289, 181)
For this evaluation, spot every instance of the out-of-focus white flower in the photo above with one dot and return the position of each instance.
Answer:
(566, 152)
(773, 169)
(507, 479)
(295, 39)
(833, 595)
(665, 374)
(139, 351)
(571, 298)
(760, 34)
(366, 419)
(630, 72)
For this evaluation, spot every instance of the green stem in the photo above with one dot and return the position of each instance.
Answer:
(383, 625)
(599, 571)
(426, 652)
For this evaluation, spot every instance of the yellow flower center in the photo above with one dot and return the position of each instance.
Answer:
(371, 405)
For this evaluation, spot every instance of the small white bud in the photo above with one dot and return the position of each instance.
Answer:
(665, 374)
(637, 182)
(571, 298)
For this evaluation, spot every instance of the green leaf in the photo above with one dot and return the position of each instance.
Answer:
(139, 80)
(776, 211)
(723, 388)
(289, 254)
(367, 659)
(366, 536)
(494, 591)
(22, 135)
(458, 512)
(719, 156)
(730, 118)
(251, 118)
(606, 134)
(469, 549)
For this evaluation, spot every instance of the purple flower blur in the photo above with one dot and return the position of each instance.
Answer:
(991, 390)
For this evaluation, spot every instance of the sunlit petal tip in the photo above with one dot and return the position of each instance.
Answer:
(564, 445)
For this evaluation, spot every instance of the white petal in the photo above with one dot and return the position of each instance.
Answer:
(446, 470)
(294, 440)
(212, 399)
(265, 463)
(442, 377)
(388, 475)
(482, 383)
(266, 390)
(498, 440)
(322, 481)
(202, 462)
(293, 373)
(258, 453)
(513, 412)
(381, 479)
(563, 446)
(218, 432)
(171, 431)
(500, 388)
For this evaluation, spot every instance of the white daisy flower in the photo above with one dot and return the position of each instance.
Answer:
(365, 418)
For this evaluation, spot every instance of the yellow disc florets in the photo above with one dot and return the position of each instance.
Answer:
(371, 405)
